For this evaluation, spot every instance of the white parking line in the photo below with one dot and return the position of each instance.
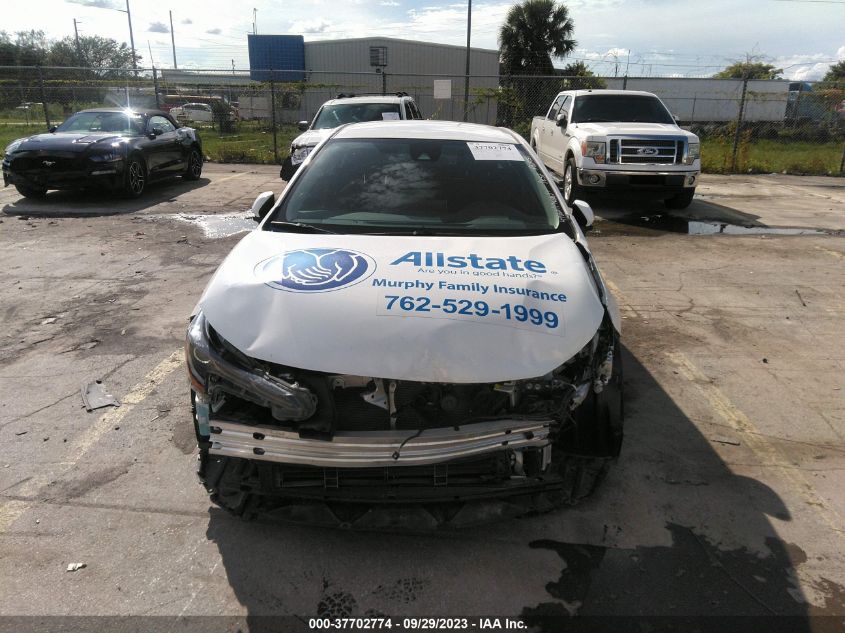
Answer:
(11, 510)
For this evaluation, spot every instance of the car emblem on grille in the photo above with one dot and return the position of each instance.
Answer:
(647, 151)
(48, 163)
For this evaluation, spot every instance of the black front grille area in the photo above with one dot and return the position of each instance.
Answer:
(490, 469)
(46, 164)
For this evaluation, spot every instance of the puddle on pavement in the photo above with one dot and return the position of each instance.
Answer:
(647, 224)
(219, 225)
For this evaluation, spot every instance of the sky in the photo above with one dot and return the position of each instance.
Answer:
(691, 38)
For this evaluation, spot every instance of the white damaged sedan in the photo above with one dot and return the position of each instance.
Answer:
(415, 333)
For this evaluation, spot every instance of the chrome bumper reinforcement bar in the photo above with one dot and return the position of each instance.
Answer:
(351, 449)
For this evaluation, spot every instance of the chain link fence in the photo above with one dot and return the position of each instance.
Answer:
(744, 125)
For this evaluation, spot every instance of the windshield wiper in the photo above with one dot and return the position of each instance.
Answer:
(297, 227)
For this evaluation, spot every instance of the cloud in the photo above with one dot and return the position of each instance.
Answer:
(388, 3)
(310, 26)
(187, 21)
(214, 31)
(99, 4)
(158, 27)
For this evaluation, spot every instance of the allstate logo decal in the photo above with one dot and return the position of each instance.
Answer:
(315, 269)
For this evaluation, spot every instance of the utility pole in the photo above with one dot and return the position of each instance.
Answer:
(173, 39)
(131, 38)
(466, 78)
(254, 21)
(78, 47)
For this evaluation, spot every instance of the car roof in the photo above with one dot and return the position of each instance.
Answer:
(603, 91)
(446, 130)
(130, 111)
(368, 99)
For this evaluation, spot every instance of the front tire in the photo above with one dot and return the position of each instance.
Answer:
(194, 169)
(681, 200)
(31, 192)
(572, 191)
(135, 178)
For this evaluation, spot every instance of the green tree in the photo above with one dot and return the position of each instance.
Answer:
(100, 54)
(836, 72)
(749, 69)
(28, 48)
(578, 76)
(534, 32)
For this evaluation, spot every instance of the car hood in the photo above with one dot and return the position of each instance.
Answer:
(66, 142)
(652, 129)
(322, 303)
(311, 137)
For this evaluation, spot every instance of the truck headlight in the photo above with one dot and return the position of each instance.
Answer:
(693, 153)
(299, 154)
(594, 150)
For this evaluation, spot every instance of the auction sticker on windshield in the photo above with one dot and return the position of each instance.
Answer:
(494, 151)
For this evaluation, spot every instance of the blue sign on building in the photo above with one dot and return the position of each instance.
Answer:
(276, 57)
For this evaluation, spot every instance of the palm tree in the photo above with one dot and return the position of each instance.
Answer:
(534, 32)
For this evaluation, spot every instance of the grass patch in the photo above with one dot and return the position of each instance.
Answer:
(251, 143)
(772, 156)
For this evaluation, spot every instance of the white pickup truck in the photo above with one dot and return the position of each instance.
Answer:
(601, 140)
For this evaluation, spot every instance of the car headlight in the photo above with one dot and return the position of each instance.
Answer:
(693, 153)
(108, 157)
(11, 147)
(594, 150)
(299, 154)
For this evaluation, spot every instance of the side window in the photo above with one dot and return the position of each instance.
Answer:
(161, 122)
(564, 108)
(555, 108)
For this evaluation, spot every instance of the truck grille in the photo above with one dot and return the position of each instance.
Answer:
(629, 151)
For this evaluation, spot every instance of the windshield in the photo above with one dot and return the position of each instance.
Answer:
(114, 122)
(333, 115)
(421, 185)
(613, 108)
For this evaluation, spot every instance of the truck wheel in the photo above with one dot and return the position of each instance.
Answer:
(681, 200)
(31, 192)
(572, 191)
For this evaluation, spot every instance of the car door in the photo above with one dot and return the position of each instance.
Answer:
(558, 139)
(547, 133)
(163, 150)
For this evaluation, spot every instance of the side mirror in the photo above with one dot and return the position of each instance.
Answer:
(52, 129)
(562, 121)
(262, 205)
(156, 131)
(302, 125)
(584, 215)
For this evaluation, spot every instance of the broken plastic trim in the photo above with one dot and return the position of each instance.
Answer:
(286, 401)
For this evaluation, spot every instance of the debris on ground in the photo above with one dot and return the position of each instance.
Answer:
(76, 566)
(94, 396)
(21, 432)
(803, 303)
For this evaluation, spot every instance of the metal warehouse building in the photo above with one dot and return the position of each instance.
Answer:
(376, 64)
